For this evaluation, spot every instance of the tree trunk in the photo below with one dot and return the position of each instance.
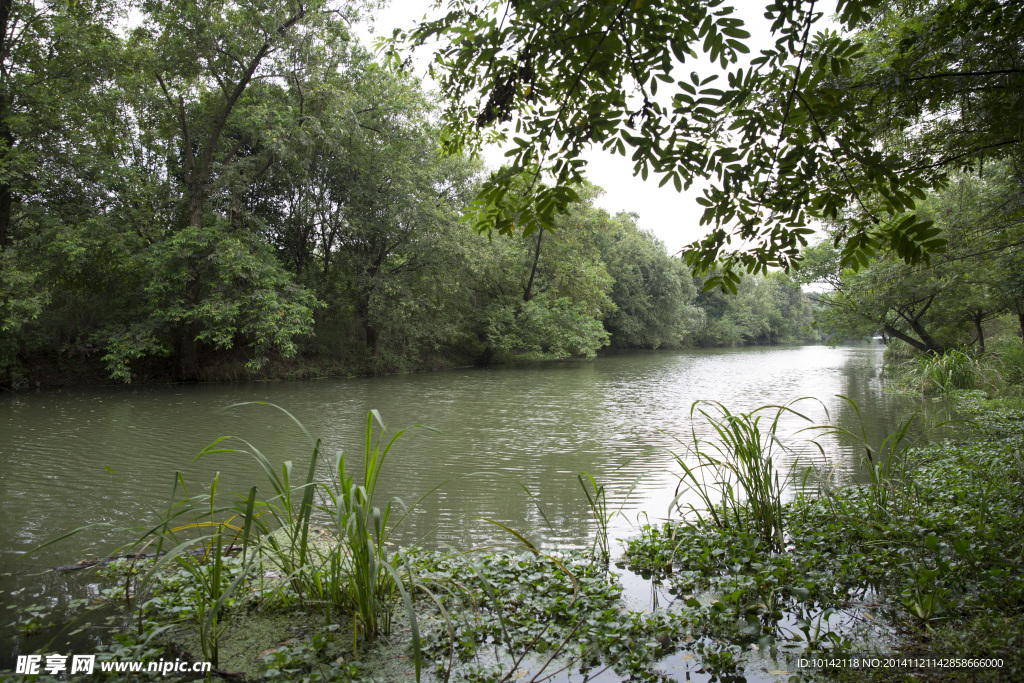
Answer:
(981, 332)
(528, 291)
(195, 203)
(363, 311)
(485, 358)
(929, 343)
(927, 346)
(190, 354)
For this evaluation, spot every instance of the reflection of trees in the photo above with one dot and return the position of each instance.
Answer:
(874, 413)
(537, 425)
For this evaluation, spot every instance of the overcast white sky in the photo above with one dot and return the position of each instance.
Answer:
(673, 216)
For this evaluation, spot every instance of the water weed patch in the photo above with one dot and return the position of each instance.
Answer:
(938, 555)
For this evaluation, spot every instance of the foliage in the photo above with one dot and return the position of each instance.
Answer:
(1009, 354)
(736, 477)
(769, 309)
(238, 190)
(931, 556)
(793, 133)
(653, 293)
(947, 304)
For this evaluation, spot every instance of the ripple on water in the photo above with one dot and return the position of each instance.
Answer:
(109, 454)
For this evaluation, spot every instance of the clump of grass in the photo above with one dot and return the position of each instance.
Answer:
(597, 499)
(953, 370)
(736, 477)
(362, 529)
(888, 465)
(944, 373)
(1007, 352)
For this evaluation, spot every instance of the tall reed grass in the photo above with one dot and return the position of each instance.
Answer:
(889, 469)
(951, 371)
(954, 370)
(350, 574)
(597, 500)
(736, 476)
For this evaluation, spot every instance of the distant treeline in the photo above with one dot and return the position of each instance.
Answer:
(186, 204)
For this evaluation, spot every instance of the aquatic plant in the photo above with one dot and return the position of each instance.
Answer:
(953, 370)
(361, 528)
(889, 469)
(736, 477)
(350, 574)
(353, 571)
(597, 500)
(949, 371)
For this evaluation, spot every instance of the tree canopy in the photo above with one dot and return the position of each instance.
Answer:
(948, 303)
(818, 126)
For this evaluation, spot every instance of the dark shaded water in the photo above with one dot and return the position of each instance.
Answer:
(72, 457)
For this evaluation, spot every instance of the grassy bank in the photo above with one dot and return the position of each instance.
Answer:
(923, 563)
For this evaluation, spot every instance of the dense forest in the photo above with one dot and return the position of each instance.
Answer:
(213, 191)
(893, 130)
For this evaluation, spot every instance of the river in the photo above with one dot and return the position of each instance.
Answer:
(108, 455)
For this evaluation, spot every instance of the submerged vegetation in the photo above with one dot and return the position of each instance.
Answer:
(303, 584)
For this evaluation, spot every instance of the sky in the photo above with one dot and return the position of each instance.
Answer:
(674, 217)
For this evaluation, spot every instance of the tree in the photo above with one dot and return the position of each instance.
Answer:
(216, 96)
(129, 235)
(367, 212)
(546, 293)
(53, 121)
(790, 138)
(934, 308)
(652, 292)
(768, 309)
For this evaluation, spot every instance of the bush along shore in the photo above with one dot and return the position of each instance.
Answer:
(917, 574)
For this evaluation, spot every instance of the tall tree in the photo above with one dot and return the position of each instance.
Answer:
(371, 203)
(221, 95)
(54, 140)
(652, 292)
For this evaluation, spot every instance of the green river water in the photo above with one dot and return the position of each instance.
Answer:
(108, 455)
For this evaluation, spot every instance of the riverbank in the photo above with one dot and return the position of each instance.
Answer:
(923, 564)
(60, 372)
(53, 371)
